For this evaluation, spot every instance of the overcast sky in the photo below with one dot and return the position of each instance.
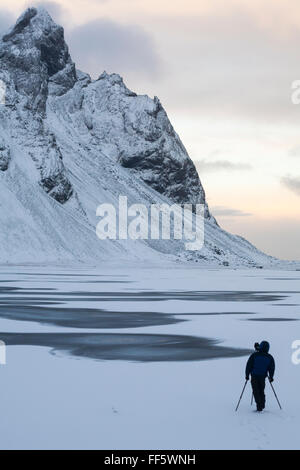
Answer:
(224, 71)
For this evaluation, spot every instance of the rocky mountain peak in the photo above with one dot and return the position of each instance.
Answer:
(33, 20)
(69, 143)
(34, 53)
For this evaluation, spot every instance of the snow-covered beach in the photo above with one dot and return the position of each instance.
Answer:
(133, 392)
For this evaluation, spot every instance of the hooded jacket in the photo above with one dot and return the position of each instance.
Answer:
(261, 363)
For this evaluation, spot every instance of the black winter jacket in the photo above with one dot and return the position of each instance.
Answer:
(260, 364)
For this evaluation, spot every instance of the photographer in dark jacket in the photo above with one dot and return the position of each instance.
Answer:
(259, 365)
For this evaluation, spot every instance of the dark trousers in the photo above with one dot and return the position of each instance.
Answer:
(258, 383)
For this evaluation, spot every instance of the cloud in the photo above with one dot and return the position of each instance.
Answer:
(55, 10)
(292, 183)
(294, 151)
(6, 21)
(223, 60)
(229, 64)
(104, 44)
(205, 166)
(222, 211)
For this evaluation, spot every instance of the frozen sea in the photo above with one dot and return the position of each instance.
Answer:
(145, 358)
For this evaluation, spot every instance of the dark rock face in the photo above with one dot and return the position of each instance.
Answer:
(4, 156)
(54, 52)
(177, 180)
(58, 187)
(53, 174)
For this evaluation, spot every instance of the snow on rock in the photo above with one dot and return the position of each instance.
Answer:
(33, 52)
(136, 131)
(32, 55)
(68, 144)
(4, 155)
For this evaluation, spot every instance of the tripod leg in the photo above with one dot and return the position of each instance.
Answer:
(275, 395)
(241, 396)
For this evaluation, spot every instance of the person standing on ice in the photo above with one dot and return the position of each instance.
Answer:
(259, 365)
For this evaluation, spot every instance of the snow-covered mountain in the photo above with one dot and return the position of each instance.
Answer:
(68, 144)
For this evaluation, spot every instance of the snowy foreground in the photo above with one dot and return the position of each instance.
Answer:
(149, 359)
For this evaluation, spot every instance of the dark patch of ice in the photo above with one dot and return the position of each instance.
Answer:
(272, 319)
(129, 347)
(85, 318)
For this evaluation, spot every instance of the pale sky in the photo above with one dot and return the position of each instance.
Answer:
(223, 70)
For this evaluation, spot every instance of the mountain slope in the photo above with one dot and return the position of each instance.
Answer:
(68, 144)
